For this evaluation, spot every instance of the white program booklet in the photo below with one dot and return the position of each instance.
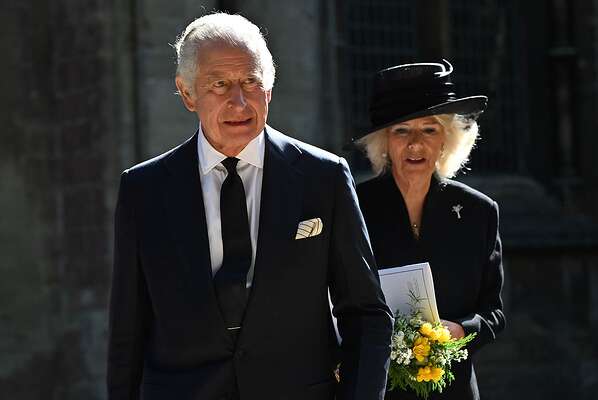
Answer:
(399, 282)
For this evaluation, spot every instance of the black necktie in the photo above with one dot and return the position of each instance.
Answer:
(230, 280)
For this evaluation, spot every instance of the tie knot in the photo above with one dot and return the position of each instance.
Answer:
(230, 163)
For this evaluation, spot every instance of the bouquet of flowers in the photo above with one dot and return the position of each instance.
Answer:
(422, 353)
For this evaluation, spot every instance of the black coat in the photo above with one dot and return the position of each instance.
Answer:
(464, 254)
(167, 338)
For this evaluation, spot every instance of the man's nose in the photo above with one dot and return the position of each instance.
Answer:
(237, 97)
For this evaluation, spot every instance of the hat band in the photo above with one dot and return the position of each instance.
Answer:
(408, 102)
(382, 112)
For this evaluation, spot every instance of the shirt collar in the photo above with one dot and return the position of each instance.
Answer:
(209, 157)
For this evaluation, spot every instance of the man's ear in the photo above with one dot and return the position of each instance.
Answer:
(268, 95)
(185, 94)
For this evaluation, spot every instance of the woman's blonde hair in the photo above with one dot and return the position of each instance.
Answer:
(461, 135)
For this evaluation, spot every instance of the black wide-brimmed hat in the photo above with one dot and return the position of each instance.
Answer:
(409, 91)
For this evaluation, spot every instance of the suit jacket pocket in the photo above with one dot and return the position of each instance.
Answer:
(312, 243)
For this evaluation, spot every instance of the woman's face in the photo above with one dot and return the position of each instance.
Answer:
(414, 147)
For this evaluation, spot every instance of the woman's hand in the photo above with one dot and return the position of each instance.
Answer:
(454, 328)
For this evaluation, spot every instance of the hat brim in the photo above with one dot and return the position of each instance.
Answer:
(473, 106)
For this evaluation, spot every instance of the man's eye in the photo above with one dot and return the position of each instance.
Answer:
(251, 82)
(219, 84)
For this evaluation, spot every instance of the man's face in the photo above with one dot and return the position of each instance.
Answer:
(229, 97)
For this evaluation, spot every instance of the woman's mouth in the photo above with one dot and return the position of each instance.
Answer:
(415, 160)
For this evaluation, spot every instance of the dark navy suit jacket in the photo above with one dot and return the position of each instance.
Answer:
(167, 339)
(464, 252)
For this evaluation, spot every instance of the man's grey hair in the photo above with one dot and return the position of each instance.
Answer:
(461, 135)
(234, 30)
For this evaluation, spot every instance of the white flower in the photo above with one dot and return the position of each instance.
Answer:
(398, 339)
(440, 360)
(461, 355)
(408, 355)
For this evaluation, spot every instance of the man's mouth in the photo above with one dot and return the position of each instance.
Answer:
(238, 122)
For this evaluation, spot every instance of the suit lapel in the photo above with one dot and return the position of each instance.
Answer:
(186, 216)
(280, 207)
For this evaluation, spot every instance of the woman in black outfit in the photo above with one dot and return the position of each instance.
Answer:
(421, 136)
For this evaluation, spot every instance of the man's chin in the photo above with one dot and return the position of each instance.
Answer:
(249, 130)
(239, 135)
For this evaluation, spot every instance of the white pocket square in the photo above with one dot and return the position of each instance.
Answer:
(309, 228)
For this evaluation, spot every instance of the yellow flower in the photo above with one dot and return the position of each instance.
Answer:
(444, 335)
(429, 373)
(436, 334)
(426, 329)
(423, 374)
(436, 373)
(421, 348)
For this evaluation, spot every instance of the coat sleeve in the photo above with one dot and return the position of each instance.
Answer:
(489, 319)
(129, 304)
(364, 320)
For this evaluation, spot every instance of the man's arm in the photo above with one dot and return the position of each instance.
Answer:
(129, 304)
(364, 320)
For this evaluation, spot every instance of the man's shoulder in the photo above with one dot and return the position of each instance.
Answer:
(154, 165)
(310, 152)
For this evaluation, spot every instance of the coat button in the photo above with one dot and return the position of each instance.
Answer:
(240, 353)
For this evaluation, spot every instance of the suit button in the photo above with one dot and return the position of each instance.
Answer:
(240, 353)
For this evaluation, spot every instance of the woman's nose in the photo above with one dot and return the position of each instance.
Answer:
(415, 139)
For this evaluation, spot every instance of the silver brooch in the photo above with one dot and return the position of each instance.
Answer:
(457, 210)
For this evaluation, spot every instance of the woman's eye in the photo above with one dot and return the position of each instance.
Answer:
(430, 130)
(400, 131)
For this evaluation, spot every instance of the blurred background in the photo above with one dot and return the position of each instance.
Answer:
(89, 91)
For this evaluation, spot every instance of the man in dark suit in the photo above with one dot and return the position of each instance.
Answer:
(226, 248)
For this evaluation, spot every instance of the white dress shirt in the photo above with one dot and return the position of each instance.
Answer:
(212, 173)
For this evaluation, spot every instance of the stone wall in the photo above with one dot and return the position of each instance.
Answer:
(547, 350)
(57, 174)
(88, 91)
